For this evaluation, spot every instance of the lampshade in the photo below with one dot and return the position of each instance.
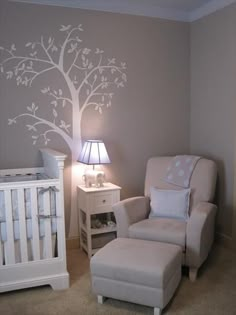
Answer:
(94, 152)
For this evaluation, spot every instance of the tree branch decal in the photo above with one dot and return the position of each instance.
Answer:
(62, 128)
(89, 77)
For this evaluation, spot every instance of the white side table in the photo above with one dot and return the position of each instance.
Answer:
(96, 201)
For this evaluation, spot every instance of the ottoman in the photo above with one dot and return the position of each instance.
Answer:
(137, 271)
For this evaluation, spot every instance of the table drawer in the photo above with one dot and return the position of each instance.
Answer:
(104, 199)
(101, 202)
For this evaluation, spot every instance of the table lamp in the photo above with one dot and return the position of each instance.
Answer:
(94, 153)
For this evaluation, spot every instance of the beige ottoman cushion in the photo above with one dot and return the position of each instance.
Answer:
(138, 271)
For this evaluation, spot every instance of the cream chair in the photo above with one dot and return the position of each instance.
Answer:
(195, 235)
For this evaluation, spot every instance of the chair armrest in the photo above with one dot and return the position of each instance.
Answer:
(200, 233)
(130, 211)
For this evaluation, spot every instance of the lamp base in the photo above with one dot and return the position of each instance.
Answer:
(94, 178)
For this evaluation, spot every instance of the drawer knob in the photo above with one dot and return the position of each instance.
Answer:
(104, 200)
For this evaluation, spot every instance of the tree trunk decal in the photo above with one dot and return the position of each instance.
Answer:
(89, 81)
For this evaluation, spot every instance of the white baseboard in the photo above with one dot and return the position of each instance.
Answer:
(72, 243)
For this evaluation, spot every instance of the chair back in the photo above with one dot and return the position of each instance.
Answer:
(202, 182)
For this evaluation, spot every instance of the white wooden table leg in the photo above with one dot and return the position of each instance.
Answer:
(89, 236)
(101, 299)
(157, 311)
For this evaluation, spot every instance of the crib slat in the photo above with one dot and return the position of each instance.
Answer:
(9, 244)
(35, 223)
(22, 225)
(60, 231)
(47, 226)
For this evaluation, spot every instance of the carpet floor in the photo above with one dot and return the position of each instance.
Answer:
(214, 292)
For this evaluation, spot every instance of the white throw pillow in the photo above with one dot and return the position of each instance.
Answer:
(170, 203)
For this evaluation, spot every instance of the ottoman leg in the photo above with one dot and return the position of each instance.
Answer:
(157, 311)
(101, 299)
(193, 274)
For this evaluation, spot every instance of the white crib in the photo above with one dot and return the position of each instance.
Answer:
(32, 230)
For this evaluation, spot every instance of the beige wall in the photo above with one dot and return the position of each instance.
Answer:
(213, 102)
(149, 116)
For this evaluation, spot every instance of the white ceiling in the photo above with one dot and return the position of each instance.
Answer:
(184, 5)
(180, 10)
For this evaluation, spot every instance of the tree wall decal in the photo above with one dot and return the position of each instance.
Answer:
(89, 81)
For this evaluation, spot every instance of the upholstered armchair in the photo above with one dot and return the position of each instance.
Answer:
(195, 235)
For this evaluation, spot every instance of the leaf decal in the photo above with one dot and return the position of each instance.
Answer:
(31, 127)
(65, 28)
(45, 90)
(13, 47)
(54, 102)
(11, 121)
(54, 113)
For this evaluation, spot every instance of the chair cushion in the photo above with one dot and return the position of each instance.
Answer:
(160, 229)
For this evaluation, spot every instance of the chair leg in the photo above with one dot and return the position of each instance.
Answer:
(192, 274)
(157, 311)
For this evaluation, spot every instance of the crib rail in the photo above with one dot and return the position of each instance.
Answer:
(44, 183)
(29, 225)
(21, 171)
